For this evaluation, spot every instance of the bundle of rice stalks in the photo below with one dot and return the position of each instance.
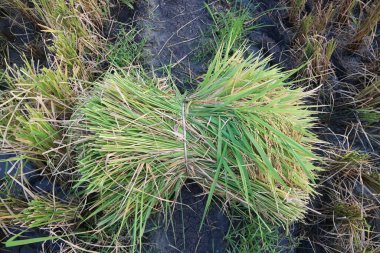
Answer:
(9, 210)
(253, 236)
(33, 112)
(368, 100)
(76, 28)
(350, 212)
(47, 214)
(47, 211)
(73, 29)
(242, 135)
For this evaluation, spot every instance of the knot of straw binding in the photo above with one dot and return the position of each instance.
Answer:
(183, 115)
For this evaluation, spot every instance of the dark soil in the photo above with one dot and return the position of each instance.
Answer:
(183, 232)
(19, 35)
(174, 31)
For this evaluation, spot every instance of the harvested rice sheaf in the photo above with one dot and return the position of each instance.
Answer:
(33, 109)
(242, 135)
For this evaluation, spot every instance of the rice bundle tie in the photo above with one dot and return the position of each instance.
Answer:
(184, 134)
(245, 141)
